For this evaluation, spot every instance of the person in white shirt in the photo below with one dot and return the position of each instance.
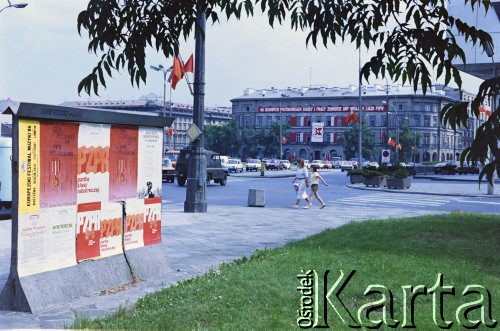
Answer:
(315, 178)
(302, 179)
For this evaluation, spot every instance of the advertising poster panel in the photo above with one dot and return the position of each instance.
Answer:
(111, 229)
(93, 163)
(58, 162)
(29, 166)
(150, 160)
(123, 156)
(152, 221)
(134, 223)
(88, 231)
(46, 240)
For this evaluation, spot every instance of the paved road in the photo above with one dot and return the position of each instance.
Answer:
(280, 194)
(230, 230)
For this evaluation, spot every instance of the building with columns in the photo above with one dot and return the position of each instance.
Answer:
(386, 109)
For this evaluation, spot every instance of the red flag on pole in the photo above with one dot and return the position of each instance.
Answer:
(283, 140)
(177, 72)
(189, 66)
(352, 117)
(391, 142)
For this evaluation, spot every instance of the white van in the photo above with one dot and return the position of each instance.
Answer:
(224, 160)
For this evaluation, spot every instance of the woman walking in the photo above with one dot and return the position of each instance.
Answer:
(301, 178)
(315, 178)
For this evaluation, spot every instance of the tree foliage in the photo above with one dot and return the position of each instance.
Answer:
(409, 142)
(350, 140)
(413, 39)
(222, 139)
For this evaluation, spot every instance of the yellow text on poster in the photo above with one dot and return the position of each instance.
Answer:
(29, 166)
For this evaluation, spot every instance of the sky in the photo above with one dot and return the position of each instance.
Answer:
(42, 58)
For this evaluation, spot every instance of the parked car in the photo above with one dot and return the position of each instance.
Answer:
(215, 170)
(445, 168)
(336, 164)
(286, 164)
(167, 170)
(346, 165)
(274, 164)
(373, 164)
(224, 160)
(318, 163)
(327, 165)
(234, 165)
(252, 164)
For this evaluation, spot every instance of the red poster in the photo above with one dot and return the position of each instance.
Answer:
(152, 221)
(123, 162)
(88, 231)
(58, 163)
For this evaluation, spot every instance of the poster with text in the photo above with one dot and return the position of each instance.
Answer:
(88, 231)
(123, 156)
(149, 179)
(93, 163)
(111, 229)
(58, 163)
(134, 224)
(46, 240)
(29, 166)
(152, 221)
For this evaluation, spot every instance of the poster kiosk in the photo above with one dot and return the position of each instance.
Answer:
(86, 203)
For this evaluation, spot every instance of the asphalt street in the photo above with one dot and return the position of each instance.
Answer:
(280, 194)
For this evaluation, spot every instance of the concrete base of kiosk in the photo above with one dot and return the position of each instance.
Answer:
(42, 291)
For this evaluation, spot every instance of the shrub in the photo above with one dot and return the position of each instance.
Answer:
(400, 173)
(356, 172)
(373, 173)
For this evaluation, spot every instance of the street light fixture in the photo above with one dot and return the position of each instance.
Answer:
(16, 5)
(165, 73)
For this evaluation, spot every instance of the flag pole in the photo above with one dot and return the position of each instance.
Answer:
(186, 77)
(360, 120)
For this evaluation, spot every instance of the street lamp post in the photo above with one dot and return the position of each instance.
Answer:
(165, 73)
(489, 51)
(16, 5)
(196, 201)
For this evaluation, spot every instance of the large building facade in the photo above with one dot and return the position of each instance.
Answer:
(386, 110)
(175, 137)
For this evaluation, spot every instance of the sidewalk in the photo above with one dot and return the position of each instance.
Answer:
(195, 243)
(453, 178)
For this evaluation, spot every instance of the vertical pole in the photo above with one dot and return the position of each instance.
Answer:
(197, 166)
(164, 108)
(281, 144)
(171, 115)
(360, 120)
(493, 108)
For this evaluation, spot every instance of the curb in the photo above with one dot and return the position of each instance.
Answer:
(277, 176)
(424, 193)
(450, 179)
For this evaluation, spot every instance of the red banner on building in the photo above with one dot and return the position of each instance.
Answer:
(320, 109)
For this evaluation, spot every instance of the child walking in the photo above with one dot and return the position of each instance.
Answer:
(315, 178)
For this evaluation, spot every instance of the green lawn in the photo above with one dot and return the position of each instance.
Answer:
(260, 292)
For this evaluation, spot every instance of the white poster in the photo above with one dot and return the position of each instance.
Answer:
(93, 163)
(149, 163)
(317, 132)
(46, 240)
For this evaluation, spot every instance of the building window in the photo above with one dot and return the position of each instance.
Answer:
(247, 122)
(319, 119)
(417, 106)
(383, 120)
(435, 107)
(259, 121)
(278, 119)
(269, 121)
(328, 136)
(434, 121)
(373, 120)
(433, 140)
(299, 137)
(248, 108)
(428, 106)
(426, 139)
(288, 118)
(415, 120)
(427, 121)
(328, 121)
